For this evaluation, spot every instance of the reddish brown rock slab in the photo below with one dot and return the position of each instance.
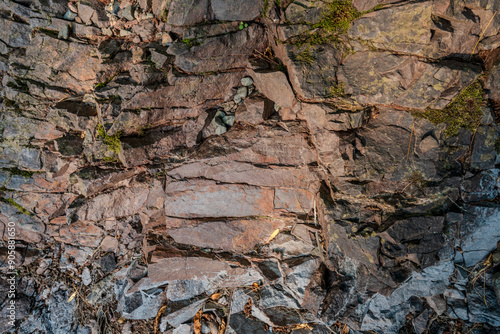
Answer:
(261, 145)
(220, 53)
(187, 92)
(154, 144)
(119, 203)
(195, 199)
(327, 142)
(91, 181)
(80, 234)
(131, 122)
(233, 236)
(237, 172)
(203, 272)
(275, 86)
(294, 200)
(43, 205)
(59, 63)
(23, 232)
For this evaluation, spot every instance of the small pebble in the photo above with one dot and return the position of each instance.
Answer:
(128, 13)
(70, 16)
(125, 33)
(86, 278)
(246, 81)
(63, 33)
(107, 32)
(243, 91)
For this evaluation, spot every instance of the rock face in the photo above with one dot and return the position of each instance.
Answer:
(215, 166)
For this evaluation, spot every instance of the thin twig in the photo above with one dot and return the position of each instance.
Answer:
(409, 144)
(482, 33)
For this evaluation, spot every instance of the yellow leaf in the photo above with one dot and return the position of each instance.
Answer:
(215, 296)
(302, 326)
(73, 295)
(275, 233)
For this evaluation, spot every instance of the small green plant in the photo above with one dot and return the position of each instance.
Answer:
(338, 17)
(190, 42)
(164, 15)
(105, 83)
(334, 24)
(337, 90)
(415, 178)
(19, 207)
(17, 171)
(265, 8)
(463, 112)
(242, 25)
(305, 57)
(112, 142)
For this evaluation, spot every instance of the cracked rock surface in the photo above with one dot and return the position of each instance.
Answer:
(230, 166)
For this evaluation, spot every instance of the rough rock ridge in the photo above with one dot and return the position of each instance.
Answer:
(250, 166)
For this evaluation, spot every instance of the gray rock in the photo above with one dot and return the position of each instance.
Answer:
(236, 10)
(480, 234)
(228, 120)
(387, 314)
(128, 13)
(186, 13)
(182, 329)
(125, 33)
(86, 278)
(70, 16)
(4, 49)
(246, 81)
(175, 319)
(141, 304)
(63, 33)
(159, 59)
(15, 34)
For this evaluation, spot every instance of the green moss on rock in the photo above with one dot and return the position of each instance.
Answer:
(463, 112)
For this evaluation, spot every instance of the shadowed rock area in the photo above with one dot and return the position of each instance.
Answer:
(250, 166)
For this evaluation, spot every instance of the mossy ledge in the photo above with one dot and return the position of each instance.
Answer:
(463, 112)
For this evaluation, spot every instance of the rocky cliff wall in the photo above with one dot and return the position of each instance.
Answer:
(235, 166)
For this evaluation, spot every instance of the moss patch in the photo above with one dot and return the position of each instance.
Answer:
(463, 112)
(19, 207)
(112, 142)
(334, 23)
(17, 171)
(265, 8)
(190, 42)
(337, 90)
(305, 57)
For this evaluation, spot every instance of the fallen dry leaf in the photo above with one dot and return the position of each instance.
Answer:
(247, 309)
(73, 295)
(158, 315)
(302, 326)
(222, 327)
(215, 296)
(275, 233)
(197, 322)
